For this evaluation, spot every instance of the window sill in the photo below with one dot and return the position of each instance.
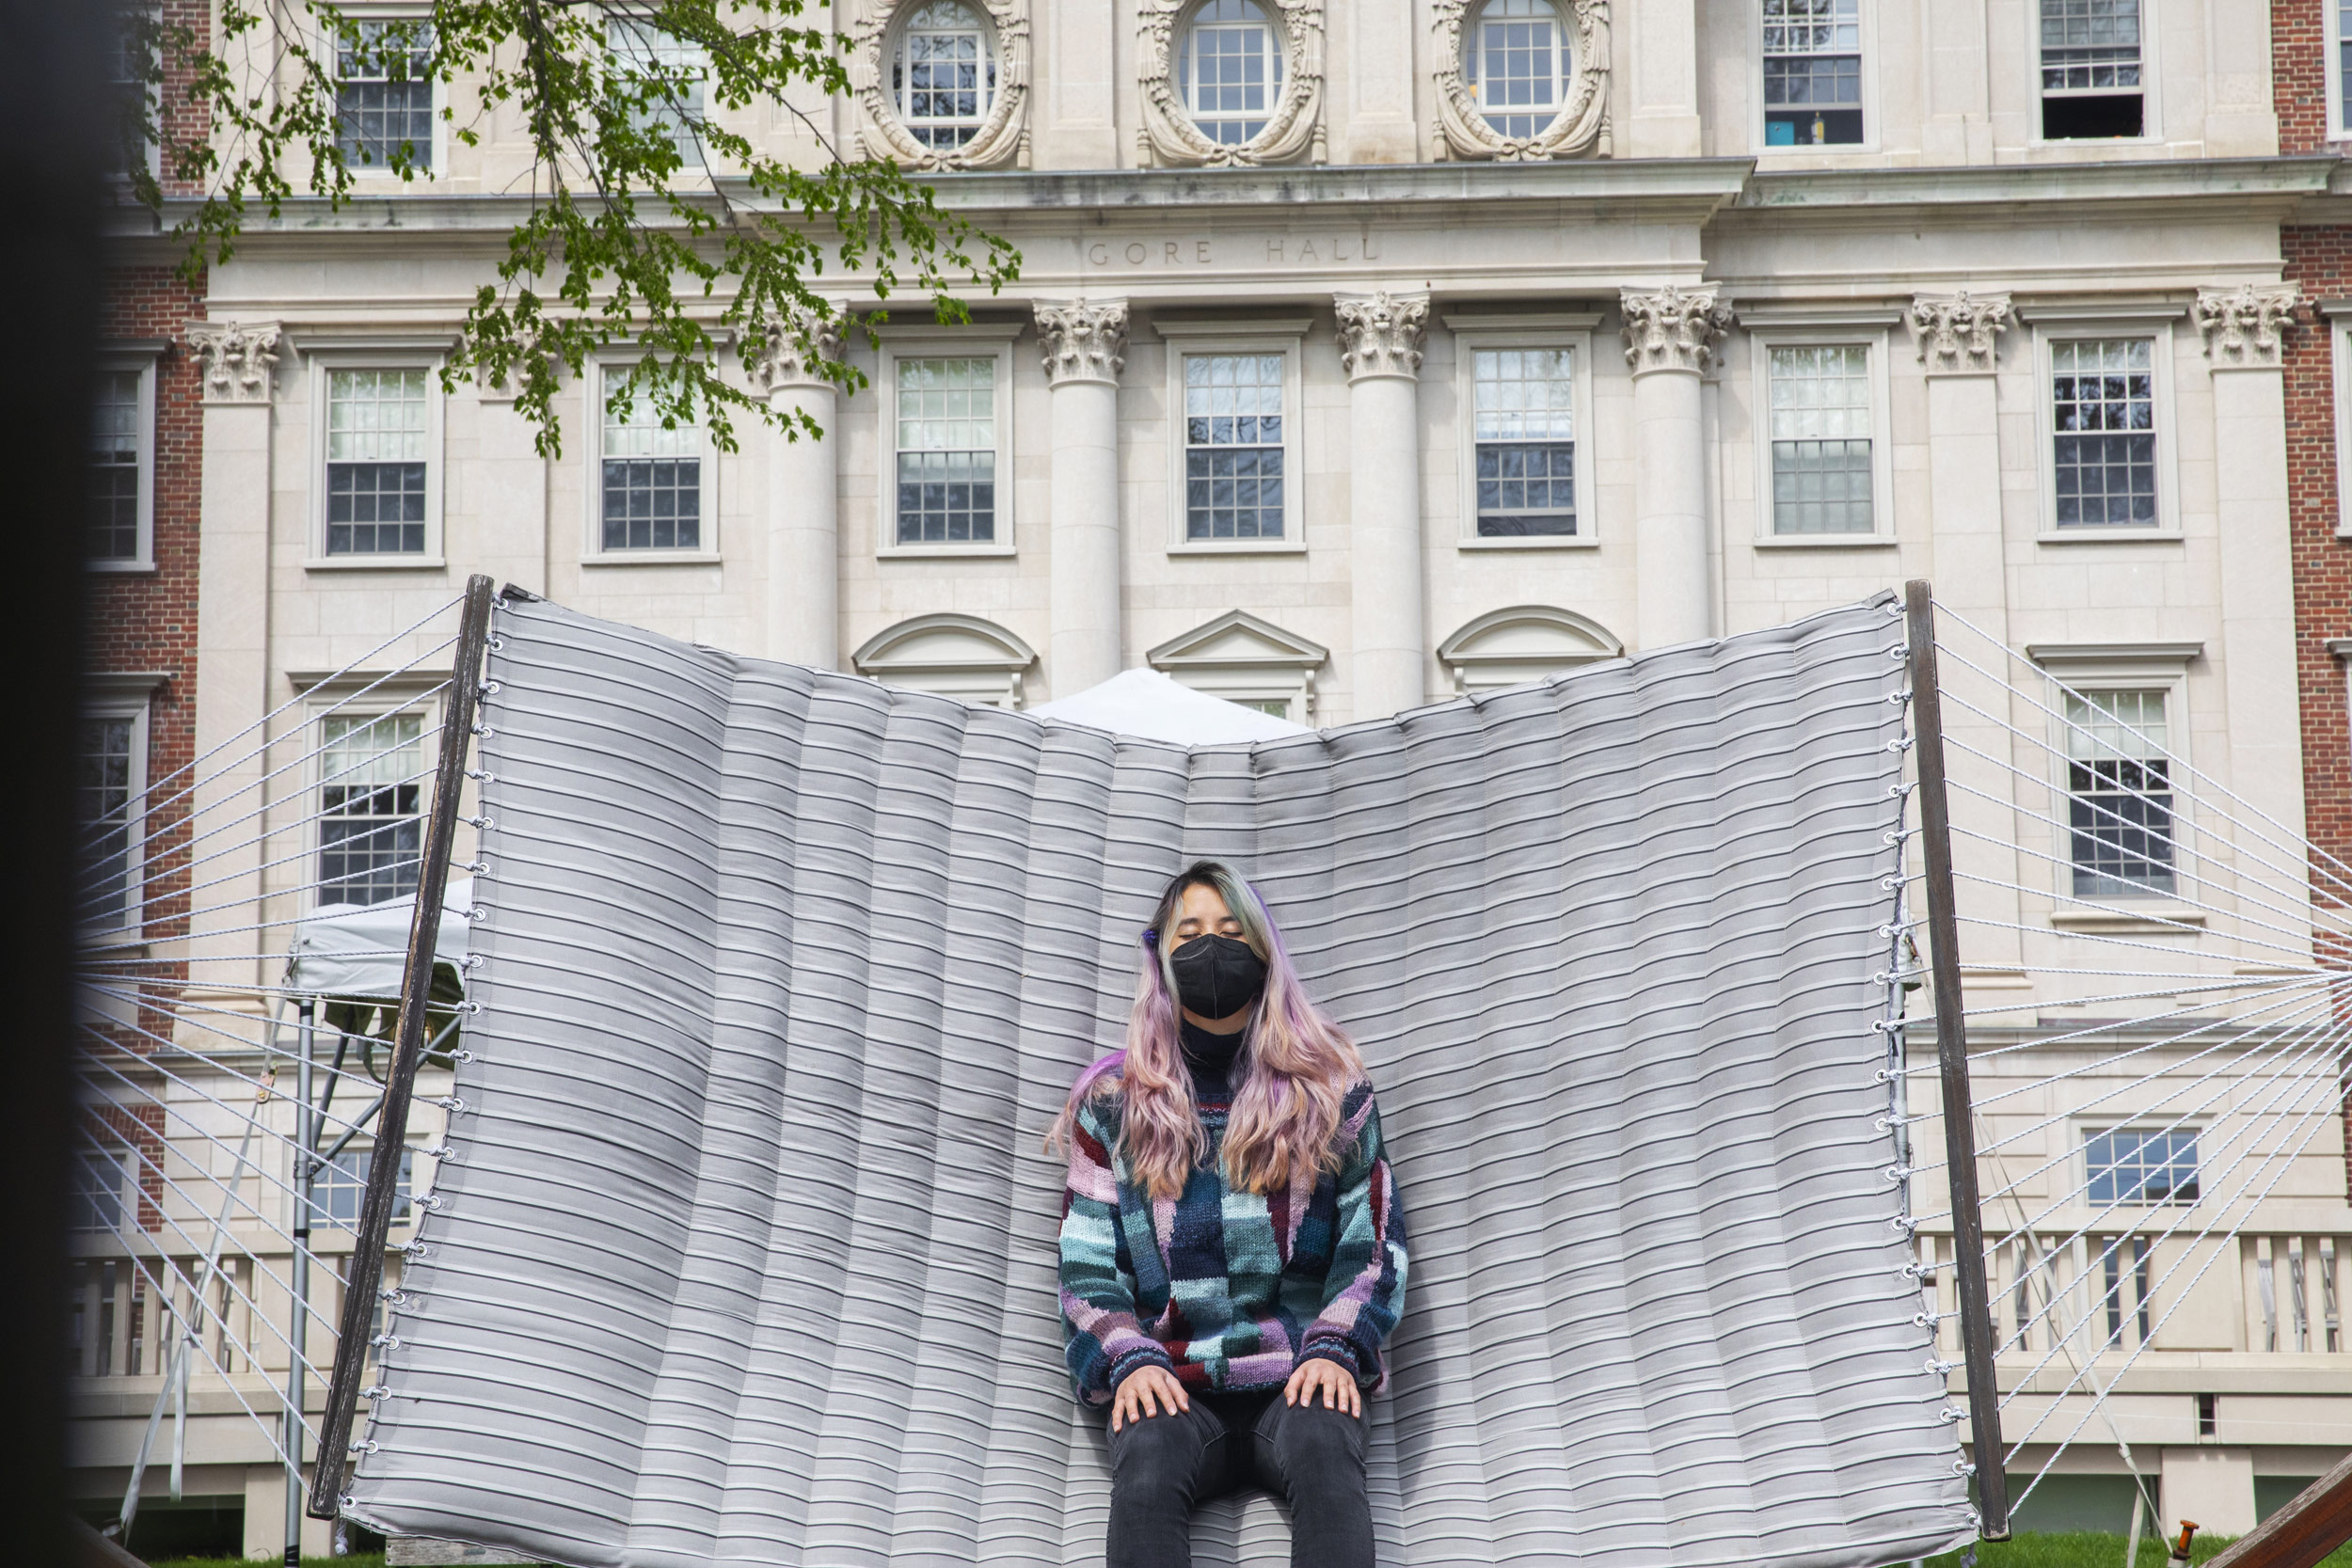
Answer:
(1237, 546)
(1824, 542)
(2096, 535)
(941, 552)
(2156, 918)
(651, 558)
(375, 564)
(119, 568)
(1532, 542)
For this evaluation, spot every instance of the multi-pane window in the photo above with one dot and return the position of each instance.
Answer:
(669, 71)
(943, 76)
(372, 773)
(342, 1185)
(96, 1179)
(2118, 788)
(946, 450)
(2343, 62)
(2103, 395)
(375, 462)
(1517, 66)
(1229, 71)
(131, 55)
(116, 467)
(383, 98)
(1525, 437)
(1820, 427)
(2091, 70)
(106, 780)
(1233, 466)
(653, 481)
(2132, 1165)
(1812, 72)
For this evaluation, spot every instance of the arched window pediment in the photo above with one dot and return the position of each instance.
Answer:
(1521, 80)
(949, 655)
(1522, 644)
(1231, 82)
(943, 84)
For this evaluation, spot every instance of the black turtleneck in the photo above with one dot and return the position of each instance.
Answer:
(1209, 1055)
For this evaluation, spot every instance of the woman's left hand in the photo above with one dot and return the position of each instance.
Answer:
(1337, 1383)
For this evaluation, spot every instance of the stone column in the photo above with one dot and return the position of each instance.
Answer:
(1085, 344)
(233, 676)
(1958, 338)
(2244, 334)
(1669, 338)
(803, 496)
(1380, 342)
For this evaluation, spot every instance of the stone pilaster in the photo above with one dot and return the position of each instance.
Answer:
(2245, 328)
(237, 357)
(1084, 344)
(804, 494)
(1669, 339)
(1380, 346)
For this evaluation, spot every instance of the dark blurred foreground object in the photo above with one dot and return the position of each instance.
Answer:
(52, 140)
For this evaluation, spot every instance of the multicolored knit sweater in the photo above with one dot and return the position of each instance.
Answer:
(1229, 1289)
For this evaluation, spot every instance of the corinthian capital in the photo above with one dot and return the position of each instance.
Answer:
(1083, 339)
(1959, 334)
(1381, 334)
(1673, 330)
(791, 350)
(2244, 326)
(237, 357)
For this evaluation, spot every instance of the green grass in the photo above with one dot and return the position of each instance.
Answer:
(357, 1560)
(2093, 1549)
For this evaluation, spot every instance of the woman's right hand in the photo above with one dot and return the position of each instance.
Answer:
(1147, 1391)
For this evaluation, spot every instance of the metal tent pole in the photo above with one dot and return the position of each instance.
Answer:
(298, 1336)
(365, 1275)
(1951, 1051)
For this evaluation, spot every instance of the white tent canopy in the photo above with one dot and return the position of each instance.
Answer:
(1147, 703)
(360, 949)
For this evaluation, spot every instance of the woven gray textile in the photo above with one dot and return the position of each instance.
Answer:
(747, 1249)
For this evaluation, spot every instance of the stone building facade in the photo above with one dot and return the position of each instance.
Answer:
(1367, 354)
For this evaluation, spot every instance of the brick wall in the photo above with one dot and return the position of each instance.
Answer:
(2298, 73)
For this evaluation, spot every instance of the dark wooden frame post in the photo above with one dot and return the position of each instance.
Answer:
(1951, 1051)
(416, 989)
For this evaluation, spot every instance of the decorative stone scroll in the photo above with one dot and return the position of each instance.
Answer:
(2245, 328)
(1381, 334)
(1581, 129)
(1002, 138)
(791, 352)
(1673, 330)
(237, 358)
(1083, 339)
(1294, 126)
(1959, 334)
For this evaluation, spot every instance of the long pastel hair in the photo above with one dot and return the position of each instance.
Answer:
(1293, 1069)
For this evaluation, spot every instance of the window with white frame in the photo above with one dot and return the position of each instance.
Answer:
(2091, 70)
(384, 97)
(371, 787)
(341, 1187)
(1524, 433)
(670, 70)
(132, 54)
(377, 427)
(1229, 70)
(1821, 461)
(2118, 793)
(110, 780)
(946, 450)
(651, 484)
(2103, 394)
(1234, 459)
(1812, 72)
(943, 74)
(121, 468)
(2129, 1164)
(2340, 12)
(96, 1179)
(1515, 60)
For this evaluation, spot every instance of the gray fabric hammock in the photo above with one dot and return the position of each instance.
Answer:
(746, 1245)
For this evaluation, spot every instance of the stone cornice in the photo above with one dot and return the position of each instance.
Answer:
(1381, 334)
(2290, 179)
(1083, 340)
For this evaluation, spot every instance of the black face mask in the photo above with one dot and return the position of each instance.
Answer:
(1217, 977)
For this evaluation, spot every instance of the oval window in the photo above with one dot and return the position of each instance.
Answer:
(943, 75)
(1229, 71)
(1515, 62)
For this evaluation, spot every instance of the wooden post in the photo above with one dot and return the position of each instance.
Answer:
(1951, 1050)
(416, 989)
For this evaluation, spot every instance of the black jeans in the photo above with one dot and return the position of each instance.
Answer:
(1311, 1455)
